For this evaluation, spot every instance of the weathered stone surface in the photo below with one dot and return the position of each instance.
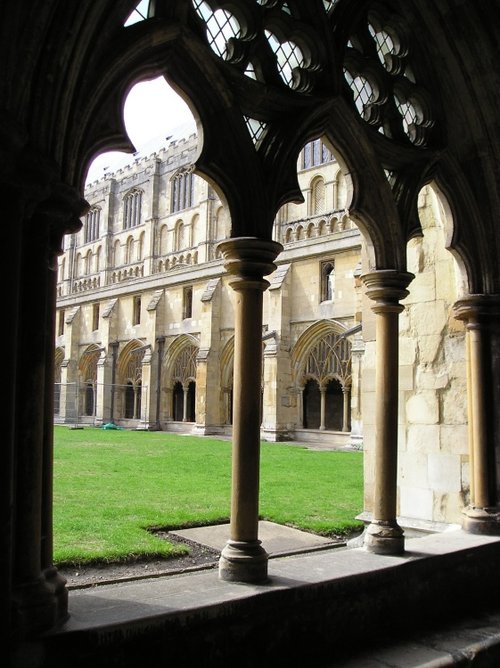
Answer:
(423, 408)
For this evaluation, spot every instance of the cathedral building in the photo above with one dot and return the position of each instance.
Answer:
(321, 262)
(145, 324)
(145, 316)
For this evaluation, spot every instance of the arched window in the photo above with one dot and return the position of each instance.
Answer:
(182, 194)
(183, 375)
(132, 209)
(88, 263)
(315, 153)
(325, 376)
(130, 378)
(91, 225)
(328, 281)
(129, 250)
(317, 196)
(163, 240)
(179, 234)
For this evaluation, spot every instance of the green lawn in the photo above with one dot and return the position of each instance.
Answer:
(111, 486)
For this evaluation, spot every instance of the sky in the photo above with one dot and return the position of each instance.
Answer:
(152, 111)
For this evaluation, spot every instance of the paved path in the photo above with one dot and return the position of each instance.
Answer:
(278, 540)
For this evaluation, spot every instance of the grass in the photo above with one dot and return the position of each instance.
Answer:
(110, 487)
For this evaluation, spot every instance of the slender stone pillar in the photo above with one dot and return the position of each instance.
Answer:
(185, 391)
(386, 287)
(247, 259)
(322, 408)
(481, 314)
(346, 397)
(300, 408)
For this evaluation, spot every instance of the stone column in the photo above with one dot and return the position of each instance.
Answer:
(54, 580)
(300, 407)
(39, 596)
(247, 260)
(185, 390)
(322, 408)
(386, 287)
(346, 397)
(481, 314)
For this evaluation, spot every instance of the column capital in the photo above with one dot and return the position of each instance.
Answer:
(249, 257)
(387, 287)
(479, 309)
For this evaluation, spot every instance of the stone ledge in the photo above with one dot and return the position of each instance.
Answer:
(315, 610)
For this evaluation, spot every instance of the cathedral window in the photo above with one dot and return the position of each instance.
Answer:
(136, 315)
(132, 205)
(91, 225)
(315, 153)
(317, 196)
(95, 317)
(60, 327)
(187, 303)
(182, 191)
(327, 281)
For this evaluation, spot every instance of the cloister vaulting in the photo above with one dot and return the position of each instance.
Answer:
(403, 94)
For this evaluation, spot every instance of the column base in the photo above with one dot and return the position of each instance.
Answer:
(243, 561)
(384, 537)
(484, 521)
(40, 605)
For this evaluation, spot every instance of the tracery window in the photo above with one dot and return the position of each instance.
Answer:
(132, 209)
(185, 364)
(91, 225)
(182, 191)
(330, 358)
(221, 26)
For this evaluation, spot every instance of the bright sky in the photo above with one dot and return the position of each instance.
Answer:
(153, 111)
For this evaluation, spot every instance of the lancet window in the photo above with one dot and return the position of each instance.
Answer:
(91, 225)
(182, 190)
(132, 209)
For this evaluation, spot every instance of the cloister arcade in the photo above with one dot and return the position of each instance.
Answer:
(404, 95)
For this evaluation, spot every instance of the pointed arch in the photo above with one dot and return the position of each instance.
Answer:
(180, 360)
(322, 353)
(88, 363)
(130, 362)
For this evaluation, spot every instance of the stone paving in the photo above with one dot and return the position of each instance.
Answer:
(276, 539)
